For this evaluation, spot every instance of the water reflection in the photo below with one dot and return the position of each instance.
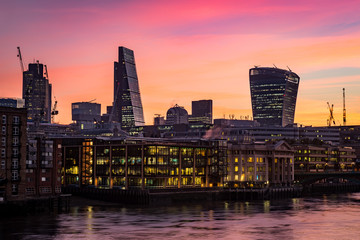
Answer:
(328, 217)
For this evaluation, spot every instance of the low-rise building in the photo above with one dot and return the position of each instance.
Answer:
(310, 158)
(13, 138)
(260, 164)
(143, 163)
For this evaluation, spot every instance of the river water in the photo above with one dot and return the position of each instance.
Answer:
(324, 217)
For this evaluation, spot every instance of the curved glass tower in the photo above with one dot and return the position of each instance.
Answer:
(273, 95)
(128, 110)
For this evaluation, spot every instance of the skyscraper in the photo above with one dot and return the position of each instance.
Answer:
(273, 95)
(201, 111)
(127, 106)
(37, 93)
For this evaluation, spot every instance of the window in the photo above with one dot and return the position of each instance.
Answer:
(3, 119)
(14, 189)
(236, 168)
(15, 152)
(3, 141)
(16, 120)
(15, 164)
(15, 141)
(15, 131)
(3, 153)
(14, 175)
(3, 130)
(43, 179)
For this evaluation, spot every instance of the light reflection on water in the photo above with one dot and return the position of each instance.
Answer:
(328, 217)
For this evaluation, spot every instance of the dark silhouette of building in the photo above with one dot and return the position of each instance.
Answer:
(177, 115)
(273, 95)
(127, 106)
(159, 120)
(201, 111)
(37, 93)
(86, 114)
(12, 102)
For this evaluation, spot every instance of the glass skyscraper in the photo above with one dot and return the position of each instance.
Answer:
(37, 93)
(273, 95)
(127, 106)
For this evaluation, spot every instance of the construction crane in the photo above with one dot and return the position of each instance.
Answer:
(344, 109)
(20, 58)
(91, 100)
(331, 116)
(54, 112)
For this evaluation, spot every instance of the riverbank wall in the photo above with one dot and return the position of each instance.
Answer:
(60, 203)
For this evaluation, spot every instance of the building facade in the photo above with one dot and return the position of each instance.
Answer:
(37, 93)
(273, 95)
(324, 158)
(139, 163)
(177, 115)
(86, 114)
(202, 111)
(12, 153)
(127, 105)
(43, 165)
(12, 102)
(270, 164)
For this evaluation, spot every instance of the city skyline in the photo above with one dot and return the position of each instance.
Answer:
(188, 51)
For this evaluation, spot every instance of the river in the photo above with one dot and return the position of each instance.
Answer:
(325, 217)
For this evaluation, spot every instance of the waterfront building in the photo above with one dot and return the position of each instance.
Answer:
(323, 158)
(13, 138)
(143, 163)
(37, 93)
(177, 115)
(127, 106)
(43, 165)
(266, 164)
(12, 102)
(86, 114)
(273, 95)
(201, 111)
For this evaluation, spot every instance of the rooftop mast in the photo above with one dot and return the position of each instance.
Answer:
(344, 109)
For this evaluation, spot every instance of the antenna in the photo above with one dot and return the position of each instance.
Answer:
(344, 109)
(275, 66)
(289, 68)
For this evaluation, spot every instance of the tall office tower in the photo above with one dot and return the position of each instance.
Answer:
(37, 93)
(201, 111)
(127, 106)
(273, 95)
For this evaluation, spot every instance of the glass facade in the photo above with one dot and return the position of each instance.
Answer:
(127, 104)
(37, 93)
(144, 165)
(273, 95)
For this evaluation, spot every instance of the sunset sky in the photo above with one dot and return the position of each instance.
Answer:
(187, 50)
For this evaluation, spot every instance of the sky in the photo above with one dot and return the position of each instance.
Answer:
(187, 50)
